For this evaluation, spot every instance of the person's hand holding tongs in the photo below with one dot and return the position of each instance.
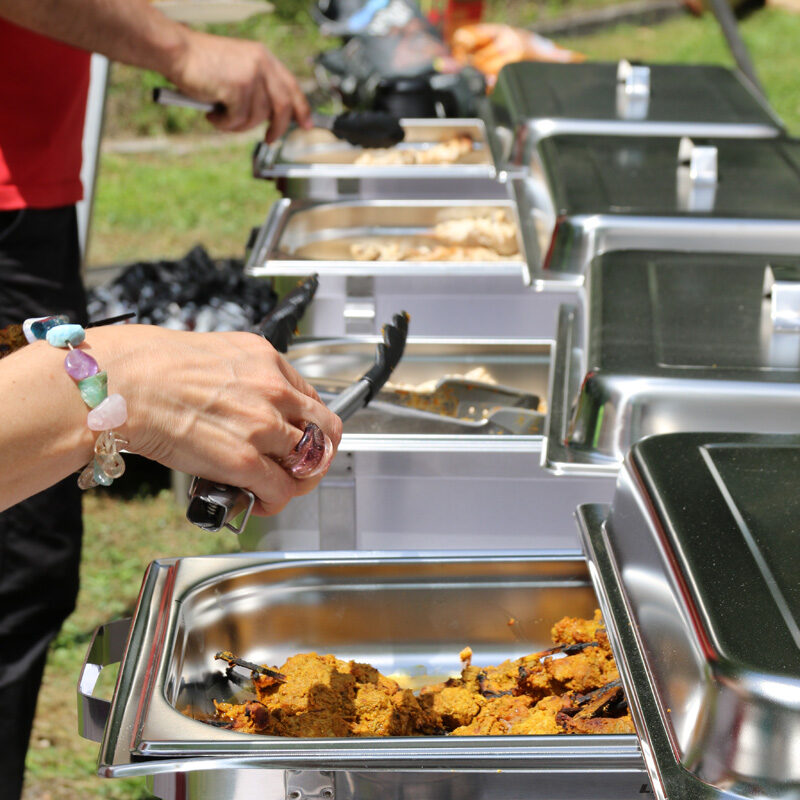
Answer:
(359, 128)
(214, 505)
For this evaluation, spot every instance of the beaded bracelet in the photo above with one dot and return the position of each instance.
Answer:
(107, 411)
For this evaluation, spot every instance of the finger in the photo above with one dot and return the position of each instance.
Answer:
(281, 116)
(261, 108)
(297, 380)
(272, 486)
(236, 109)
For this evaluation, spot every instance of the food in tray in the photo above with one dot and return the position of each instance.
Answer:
(572, 687)
(446, 152)
(489, 236)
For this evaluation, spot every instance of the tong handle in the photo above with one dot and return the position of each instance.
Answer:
(170, 97)
(213, 506)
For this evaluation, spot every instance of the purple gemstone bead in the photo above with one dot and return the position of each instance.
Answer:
(80, 365)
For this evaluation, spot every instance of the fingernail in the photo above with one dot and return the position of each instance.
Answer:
(311, 454)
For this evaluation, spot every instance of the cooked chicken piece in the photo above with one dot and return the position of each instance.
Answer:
(398, 250)
(571, 630)
(571, 688)
(497, 717)
(492, 230)
(447, 152)
(454, 705)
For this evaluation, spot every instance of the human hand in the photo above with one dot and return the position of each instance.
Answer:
(242, 77)
(224, 406)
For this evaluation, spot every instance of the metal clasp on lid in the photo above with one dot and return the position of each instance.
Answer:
(782, 286)
(697, 176)
(633, 90)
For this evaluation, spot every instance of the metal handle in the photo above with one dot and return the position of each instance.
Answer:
(697, 176)
(633, 91)
(170, 97)
(267, 239)
(107, 647)
(213, 506)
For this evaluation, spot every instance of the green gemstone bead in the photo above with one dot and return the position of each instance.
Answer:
(94, 389)
(100, 476)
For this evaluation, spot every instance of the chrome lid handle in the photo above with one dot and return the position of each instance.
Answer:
(633, 90)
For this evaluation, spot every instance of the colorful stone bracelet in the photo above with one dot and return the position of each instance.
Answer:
(107, 411)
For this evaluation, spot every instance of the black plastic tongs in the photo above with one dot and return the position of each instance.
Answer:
(213, 506)
(360, 128)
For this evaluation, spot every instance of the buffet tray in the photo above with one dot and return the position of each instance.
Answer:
(697, 582)
(421, 610)
(448, 486)
(444, 298)
(668, 342)
(314, 164)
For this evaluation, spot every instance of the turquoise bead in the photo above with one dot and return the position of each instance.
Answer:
(39, 327)
(62, 335)
(99, 476)
(94, 389)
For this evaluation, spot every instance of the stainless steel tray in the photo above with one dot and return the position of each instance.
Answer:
(697, 580)
(403, 613)
(673, 342)
(314, 164)
(488, 299)
(533, 100)
(589, 194)
(392, 485)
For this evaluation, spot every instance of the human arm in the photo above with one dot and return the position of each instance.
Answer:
(220, 405)
(243, 76)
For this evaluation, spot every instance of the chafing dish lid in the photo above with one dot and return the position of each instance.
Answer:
(530, 90)
(686, 342)
(696, 566)
(649, 176)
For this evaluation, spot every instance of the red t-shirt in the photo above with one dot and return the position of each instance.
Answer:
(43, 88)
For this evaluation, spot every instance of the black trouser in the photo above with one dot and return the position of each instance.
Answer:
(40, 539)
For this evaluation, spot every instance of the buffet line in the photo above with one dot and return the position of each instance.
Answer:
(602, 281)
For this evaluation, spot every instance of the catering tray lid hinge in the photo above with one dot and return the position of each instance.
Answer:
(310, 785)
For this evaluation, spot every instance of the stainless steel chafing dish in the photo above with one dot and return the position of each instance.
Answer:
(533, 100)
(314, 164)
(444, 298)
(697, 579)
(674, 342)
(592, 194)
(401, 612)
(422, 481)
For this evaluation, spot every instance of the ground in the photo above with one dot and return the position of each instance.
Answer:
(197, 188)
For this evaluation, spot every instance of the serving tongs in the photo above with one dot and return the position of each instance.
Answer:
(213, 506)
(359, 128)
(474, 406)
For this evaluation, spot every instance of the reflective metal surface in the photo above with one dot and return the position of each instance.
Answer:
(407, 613)
(673, 342)
(534, 100)
(697, 577)
(588, 195)
(314, 164)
